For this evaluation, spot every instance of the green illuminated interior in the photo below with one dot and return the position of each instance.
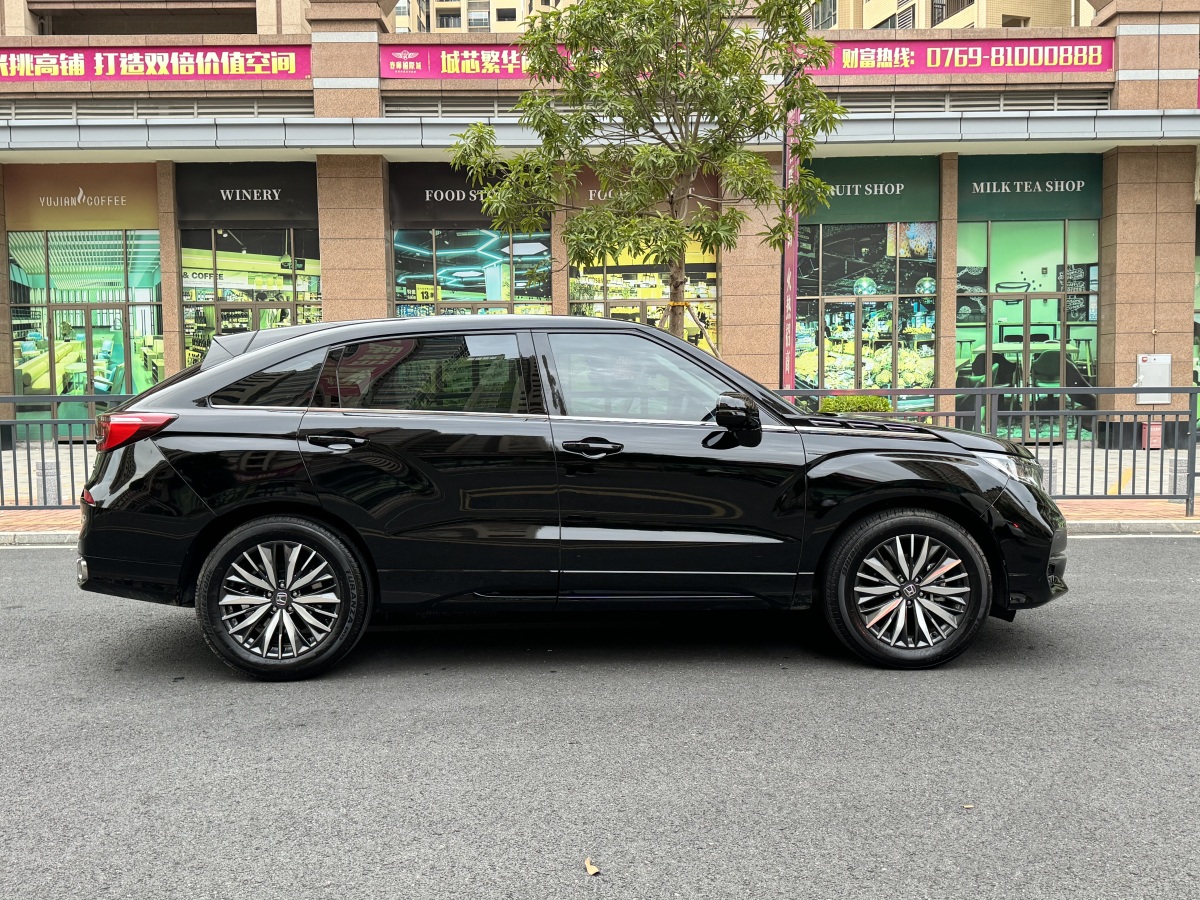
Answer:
(1028, 316)
(87, 314)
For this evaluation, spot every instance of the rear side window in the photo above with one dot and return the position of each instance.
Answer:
(481, 373)
(287, 383)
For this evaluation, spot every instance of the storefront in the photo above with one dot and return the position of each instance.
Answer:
(84, 278)
(447, 258)
(1028, 276)
(634, 289)
(249, 249)
(864, 279)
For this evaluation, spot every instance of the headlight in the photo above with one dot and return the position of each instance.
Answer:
(1018, 467)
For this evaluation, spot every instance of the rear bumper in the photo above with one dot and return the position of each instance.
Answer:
(155, 583)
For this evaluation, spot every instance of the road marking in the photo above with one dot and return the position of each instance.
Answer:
(1126, 477)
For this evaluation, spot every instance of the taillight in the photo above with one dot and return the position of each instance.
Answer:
(86, 498)
(115, 430)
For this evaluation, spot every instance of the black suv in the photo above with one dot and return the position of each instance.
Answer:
(302, 478)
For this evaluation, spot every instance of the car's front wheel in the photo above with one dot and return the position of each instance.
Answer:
(907, 588)
(282, 598)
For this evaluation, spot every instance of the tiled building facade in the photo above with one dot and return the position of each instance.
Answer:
(298, 171)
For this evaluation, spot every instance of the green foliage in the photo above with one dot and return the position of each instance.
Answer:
(658, 98)
(854, 403)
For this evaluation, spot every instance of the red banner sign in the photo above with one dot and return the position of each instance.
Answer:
(452, 61)
(249, 63)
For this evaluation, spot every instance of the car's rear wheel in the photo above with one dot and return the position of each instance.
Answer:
(907, 588)
(282, 598)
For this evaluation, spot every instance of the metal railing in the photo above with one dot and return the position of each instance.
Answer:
(47, 448)
(1093, 443)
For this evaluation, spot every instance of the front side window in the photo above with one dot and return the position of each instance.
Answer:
(629, 377)
(475, 373)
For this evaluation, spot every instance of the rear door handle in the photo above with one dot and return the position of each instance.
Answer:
(593, 448)
(341, 442)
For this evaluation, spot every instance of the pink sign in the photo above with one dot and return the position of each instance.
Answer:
(916, 58)
(249, 63)
(1008, 56)
(453, 61)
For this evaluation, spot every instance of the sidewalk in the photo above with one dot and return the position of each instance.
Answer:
(60, 527)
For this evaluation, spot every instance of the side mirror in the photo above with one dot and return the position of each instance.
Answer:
(737, 413)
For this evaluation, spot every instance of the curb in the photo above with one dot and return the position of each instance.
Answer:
(39, 538)
(1134, 526)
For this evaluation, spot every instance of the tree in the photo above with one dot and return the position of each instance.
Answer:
(657, 97)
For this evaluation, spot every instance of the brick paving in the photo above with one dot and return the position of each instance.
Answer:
(1122, 510)
(32, 520)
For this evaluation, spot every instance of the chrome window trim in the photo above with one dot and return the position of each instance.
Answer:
(213, 405)
(354, 411)
(613, 420)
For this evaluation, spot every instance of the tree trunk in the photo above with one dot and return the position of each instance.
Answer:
(675, 311)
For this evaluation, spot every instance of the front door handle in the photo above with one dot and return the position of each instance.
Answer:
(341, 442)
(593, 448)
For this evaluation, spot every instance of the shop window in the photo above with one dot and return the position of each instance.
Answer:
(1195, 313)
(87, 266)
(1028, 316)
(471, 271)
(245, 279)
(635, 290)
(866, 312)
(86, 304)
(855, 260)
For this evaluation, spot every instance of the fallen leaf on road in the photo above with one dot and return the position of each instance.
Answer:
(591, 869)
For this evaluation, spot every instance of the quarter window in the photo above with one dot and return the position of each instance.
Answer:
(288, 383)
(629, 377)
(478, 373)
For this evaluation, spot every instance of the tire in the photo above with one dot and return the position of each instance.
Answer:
(301, 620)
(929, 619)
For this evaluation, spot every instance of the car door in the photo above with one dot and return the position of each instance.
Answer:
(658, 503)
(437, 449)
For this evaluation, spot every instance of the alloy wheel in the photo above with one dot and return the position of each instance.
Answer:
(912, 592)
(280, 599)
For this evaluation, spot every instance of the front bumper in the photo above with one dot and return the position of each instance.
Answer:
(1033, 543)
(1050, 587)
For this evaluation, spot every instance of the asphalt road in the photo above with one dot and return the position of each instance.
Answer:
(725, 758)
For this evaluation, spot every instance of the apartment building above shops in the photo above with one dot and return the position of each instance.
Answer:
(1000, 194)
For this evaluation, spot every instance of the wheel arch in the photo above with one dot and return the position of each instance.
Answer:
(210, 535)
(957, 513)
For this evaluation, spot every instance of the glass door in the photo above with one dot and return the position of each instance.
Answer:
(1026, 350)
